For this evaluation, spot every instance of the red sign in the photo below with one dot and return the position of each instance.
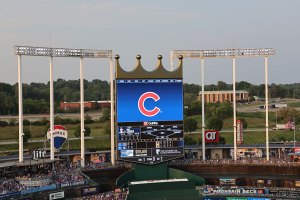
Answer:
(297, 150)
(211, 136)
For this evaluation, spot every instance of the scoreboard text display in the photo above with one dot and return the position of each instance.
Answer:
(149, 120)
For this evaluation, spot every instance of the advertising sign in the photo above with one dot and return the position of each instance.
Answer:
(57, 195)
(10, 194)
(68, 184)
(297, 150)
(232, 191)
(60, 136)
(285, 193)
(227, 181)
(89, 190)
(239, 132)
(211, 136)
(38, 154)
(149, 120)
(38, 189)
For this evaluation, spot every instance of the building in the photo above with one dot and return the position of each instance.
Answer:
(224, 96)
(87, 105)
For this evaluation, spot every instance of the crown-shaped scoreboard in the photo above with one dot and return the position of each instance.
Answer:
(149, 111)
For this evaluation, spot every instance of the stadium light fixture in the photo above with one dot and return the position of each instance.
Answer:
(229, 53)
(63, 52)
(223, 53)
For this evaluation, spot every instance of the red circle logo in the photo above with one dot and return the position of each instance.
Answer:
(141, 104)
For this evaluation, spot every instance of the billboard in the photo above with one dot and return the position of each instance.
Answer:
(149, 120)
(60, 135)
(227, 181)
(239, 132)
(89, 190)
(211, 136)
(57, 195)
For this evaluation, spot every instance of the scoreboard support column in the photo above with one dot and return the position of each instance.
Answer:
(112, 112)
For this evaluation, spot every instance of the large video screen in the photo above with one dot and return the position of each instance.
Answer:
(149, 120)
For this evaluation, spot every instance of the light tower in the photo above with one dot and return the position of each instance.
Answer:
(233, 54)
(63, 52)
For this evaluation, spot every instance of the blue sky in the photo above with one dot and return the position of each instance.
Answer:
(151, 28)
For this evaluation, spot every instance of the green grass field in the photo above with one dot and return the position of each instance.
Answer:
(96, 143)
(294, 104)
(11, 133)
(256, 137)
(255, 120)
(38, 132)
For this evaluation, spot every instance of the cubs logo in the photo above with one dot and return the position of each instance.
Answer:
(141, 104)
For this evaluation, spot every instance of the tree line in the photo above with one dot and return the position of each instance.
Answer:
(36, 95)
(275, 90)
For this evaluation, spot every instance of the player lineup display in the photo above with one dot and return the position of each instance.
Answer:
(149, 120)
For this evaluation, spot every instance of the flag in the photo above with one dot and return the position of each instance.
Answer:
(289, 125)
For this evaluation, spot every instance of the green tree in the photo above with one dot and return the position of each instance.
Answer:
(189, 141)
(189, 98)
(194, 108)
(46, 128)
(27, 134)
(107, 127)
(190, 124)
(224, 110)
(221, 85)
(77, 131)
(243, 85)
(35, 106)
(214, 123)
(3, 123)
(105, 115)
(191, 88)
(287, 114)
(88, 119)
(58, 120)
(12, 122)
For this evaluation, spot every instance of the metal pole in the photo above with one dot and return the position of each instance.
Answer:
(234, 109)
(267, 107)
(203, 113)
(21, 159)
(51, 110)
(294, 132)
(112, 112)
(82, 130)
